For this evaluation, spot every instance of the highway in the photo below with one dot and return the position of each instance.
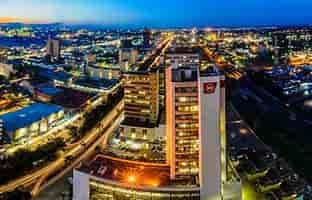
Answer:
(78, 150)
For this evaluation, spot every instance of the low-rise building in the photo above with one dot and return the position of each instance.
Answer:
(6, 70)
(109, 72)
(30, 121)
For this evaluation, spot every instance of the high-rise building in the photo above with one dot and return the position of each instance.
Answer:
(182, 121)
(128, 55)
(212, 134)
(195, 136)
(141, 96)
(195, 118)
(53, 49)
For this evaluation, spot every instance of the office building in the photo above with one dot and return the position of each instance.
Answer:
(196, 136)
(128, 55)
(147, 37)
(141, 96)
(198, 146)
(53, 49)
(182, 121)
(107, 72)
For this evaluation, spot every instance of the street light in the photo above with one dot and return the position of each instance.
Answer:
(131, 179)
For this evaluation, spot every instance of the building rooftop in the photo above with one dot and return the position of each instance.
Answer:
(128, 172)
(70, 98)
(96, 83)
(210, 71)
(135, 173)
(54, 75)
(50, 90)
(28, 115)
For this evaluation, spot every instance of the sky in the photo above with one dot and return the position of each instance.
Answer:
(159, 13)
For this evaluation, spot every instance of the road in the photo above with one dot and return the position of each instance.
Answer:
(79, 150)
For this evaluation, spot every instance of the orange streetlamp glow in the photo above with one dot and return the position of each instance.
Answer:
(131, 179)
(155, 184)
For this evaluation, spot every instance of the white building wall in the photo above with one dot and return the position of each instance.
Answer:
(81, 186)
(210, 144)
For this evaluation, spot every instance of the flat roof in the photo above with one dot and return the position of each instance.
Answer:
(54, 75)
(127, 171)
(135, 173)
(28, 115)
(50, 90)
(70, 98)
(97, 83)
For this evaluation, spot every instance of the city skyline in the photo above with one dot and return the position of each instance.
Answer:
(139, 13)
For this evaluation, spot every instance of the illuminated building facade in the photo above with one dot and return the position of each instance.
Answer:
(182, 121)
(196, 132)
(182, 56)
(109, 72)
(108, 178)
(31, 121)
(141, 104)
(6, 70)
(1, 132)
(141, 96)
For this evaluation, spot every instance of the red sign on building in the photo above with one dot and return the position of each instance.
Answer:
(222, 83)
(210, 88)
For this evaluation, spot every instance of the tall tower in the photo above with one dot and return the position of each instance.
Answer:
(128, 55)
(53, 48)
(182, 121)
(196, 132)
(212, 134)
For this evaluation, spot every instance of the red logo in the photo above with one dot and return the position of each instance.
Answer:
(210, 88)
(222, 83)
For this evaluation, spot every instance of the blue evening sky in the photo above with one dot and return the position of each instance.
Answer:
(162, 13)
